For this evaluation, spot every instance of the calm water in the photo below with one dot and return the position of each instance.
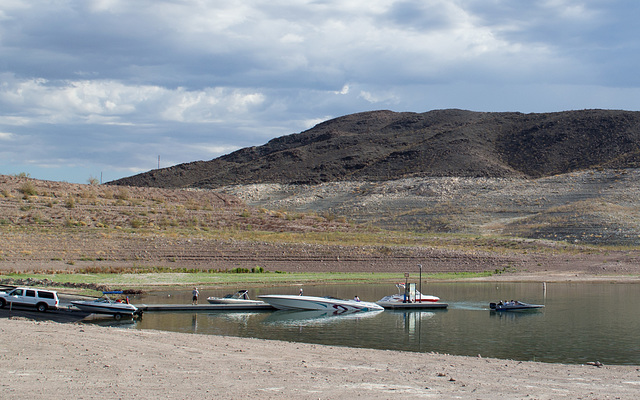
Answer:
(581, 322)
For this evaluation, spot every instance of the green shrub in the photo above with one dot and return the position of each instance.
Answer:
(28, 189)
(123, 194)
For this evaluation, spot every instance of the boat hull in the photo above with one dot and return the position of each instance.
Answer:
(292, 302)
(113, 309)
(398, 298)
(514, 307)
(222, 300)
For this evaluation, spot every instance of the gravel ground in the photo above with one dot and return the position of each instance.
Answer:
(61, 361)
(596, 207)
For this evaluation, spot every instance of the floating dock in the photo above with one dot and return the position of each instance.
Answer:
(204, 307)
(269, 307)
(412, 306)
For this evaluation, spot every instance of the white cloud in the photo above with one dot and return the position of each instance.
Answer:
(313, 122)
(210, 105)
(103, 79)
(292, 38)
(379, 97)
(6, 136)
(571, 9)
(111, 102)
(213, 151)
(344, 90)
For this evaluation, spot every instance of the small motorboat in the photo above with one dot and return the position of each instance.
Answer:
(513, 305)
(400, 297)
(239, 297)
(105, 305)
(293, 302)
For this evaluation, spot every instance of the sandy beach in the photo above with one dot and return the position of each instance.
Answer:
(60, 361)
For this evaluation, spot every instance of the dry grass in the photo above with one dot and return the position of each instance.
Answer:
(68, 227)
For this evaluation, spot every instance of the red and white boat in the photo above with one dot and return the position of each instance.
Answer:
(402, 297)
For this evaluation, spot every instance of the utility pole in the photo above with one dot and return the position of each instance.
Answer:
(420, 265)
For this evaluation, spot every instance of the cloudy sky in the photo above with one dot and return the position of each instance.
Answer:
(109, 88)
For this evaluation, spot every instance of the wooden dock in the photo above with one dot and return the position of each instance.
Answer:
(412, 306)
(204, 307)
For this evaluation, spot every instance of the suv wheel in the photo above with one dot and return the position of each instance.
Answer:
(42, 307)
(2, 303)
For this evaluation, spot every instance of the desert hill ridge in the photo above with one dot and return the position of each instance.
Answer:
(51, 226)
(385, 145)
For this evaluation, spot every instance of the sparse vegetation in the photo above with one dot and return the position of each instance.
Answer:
(149, 277)
(181, 235)
(28, 189)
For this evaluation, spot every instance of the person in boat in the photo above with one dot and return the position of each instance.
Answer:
(300, 294)
(356, 298)
(195, 293)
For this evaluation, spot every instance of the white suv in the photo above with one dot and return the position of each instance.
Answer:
(38, 298)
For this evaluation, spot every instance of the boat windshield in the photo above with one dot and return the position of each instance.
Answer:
(104, 300)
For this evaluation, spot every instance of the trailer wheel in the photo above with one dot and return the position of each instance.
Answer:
(118, 316)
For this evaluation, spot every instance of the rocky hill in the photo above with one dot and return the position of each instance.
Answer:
(567, 176)
(384, 145)
(61, 227)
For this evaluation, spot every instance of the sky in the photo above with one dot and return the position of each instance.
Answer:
(104, 89)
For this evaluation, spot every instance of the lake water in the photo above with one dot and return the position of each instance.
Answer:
(581, 322)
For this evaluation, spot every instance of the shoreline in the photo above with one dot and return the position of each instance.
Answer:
(536, 277)
(60, 361)
(74, 360)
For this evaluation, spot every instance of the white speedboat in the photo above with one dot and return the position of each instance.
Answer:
(239, 297)
(105, 305)
(293, 302)
(401, 298)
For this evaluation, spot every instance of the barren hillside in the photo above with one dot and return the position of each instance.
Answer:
(384, 145)
(54, 226)
(599, 207)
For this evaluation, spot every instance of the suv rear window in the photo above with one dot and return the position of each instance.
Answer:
(45, 295)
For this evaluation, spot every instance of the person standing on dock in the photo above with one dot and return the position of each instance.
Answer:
(195, 296)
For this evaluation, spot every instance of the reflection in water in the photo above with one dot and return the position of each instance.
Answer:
(581, 322)
(108, 320)
(411, 320)
(515, 314)
(316, 317)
